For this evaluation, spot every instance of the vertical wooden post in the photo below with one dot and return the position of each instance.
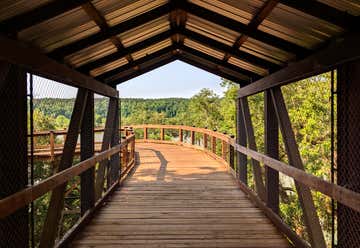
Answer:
(304, 193)
(205, 141)
(223, 150)
(14, 229)
(52, 145)
(241, 140)
(87, 183)
(192, 137)
(145, 133)
(231, 154)
(181, 135)
(53, 217)
(213, 144)
(259, 184)
(115, 170)
(162, 134)
(272, 149)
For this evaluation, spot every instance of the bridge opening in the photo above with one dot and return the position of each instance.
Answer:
(80, 166)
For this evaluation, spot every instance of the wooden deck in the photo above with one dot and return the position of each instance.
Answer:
(179, 197)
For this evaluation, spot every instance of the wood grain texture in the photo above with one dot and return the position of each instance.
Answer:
(174, 200)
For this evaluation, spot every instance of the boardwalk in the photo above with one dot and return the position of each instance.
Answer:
(179, 197)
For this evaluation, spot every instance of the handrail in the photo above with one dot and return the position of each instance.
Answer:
(20, 199)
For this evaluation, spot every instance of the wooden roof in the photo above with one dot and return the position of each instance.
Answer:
(113, 40)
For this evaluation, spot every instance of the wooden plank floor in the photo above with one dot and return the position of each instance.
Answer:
(179, 197)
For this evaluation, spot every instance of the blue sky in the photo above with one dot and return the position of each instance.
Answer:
(176, 79)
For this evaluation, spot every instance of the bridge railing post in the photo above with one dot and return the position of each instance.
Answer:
(192, 137)
(232, 154)
(181, 135)
(205, 140)
(213, 143)
(52, 145)
(162, 134)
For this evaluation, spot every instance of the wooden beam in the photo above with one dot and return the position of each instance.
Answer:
(259, 183)
(32, 59)
(38, 15)
(87, 178)
(94, 14)
(244, 29)
(114, 74)
(241, 140)
(271, 128)
(325, 12)
(115, 140)
(264, 11)
(219, 62)
(51, 224)
(341, 51)
(306, 201)
(144, 69)
(107, 138)
(221, 47)
(122, 27)
(86, 68)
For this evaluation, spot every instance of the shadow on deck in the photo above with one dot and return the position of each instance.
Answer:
(179, 197)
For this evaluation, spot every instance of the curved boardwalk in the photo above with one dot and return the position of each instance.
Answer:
(179, 197)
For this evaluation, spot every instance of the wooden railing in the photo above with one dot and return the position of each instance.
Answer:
(115, 173)
(225, 148)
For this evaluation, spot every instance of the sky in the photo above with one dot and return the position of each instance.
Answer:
(176, 79)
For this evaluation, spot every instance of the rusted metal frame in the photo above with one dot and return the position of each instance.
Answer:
(143, 69)
(309, 211)
(53, 216)
(94, 14)
(114, 173)
(259, 183)
(244, 29)
(324, 12)
(271, 128)
(108, 132)
(122, 27)
(14, 229)
(87, 178)
(87, 67)
(221, 47)
(241, 140)
(18, 53)
(264, 11)
(339, 52)
(38, 15)
(212, 69)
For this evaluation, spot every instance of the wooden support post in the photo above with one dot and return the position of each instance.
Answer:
(259, 184)
(53, 217)
(272, 149)
(162, 134)
(232, 155)
(87, 183)
(205, 141)
(181, 136)
(145, 133)
(311, 218)
(223, 150)
(115, 140)
(213, 144)
(14, 229)
(241, 140)
(52, 145)
(192, 138)
(108, 132)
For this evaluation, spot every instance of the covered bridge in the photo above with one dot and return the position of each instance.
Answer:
(96, 45)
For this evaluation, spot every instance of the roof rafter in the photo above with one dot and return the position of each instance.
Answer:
(38, 15)
(227, 22)
(324, 12)
(219, 62)
(177, 19)
(150, 65)
(221, 47)
(212, 69)
(94, 14)
(112, 74)
(254, 23)
(86, 68)
(134, 22)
